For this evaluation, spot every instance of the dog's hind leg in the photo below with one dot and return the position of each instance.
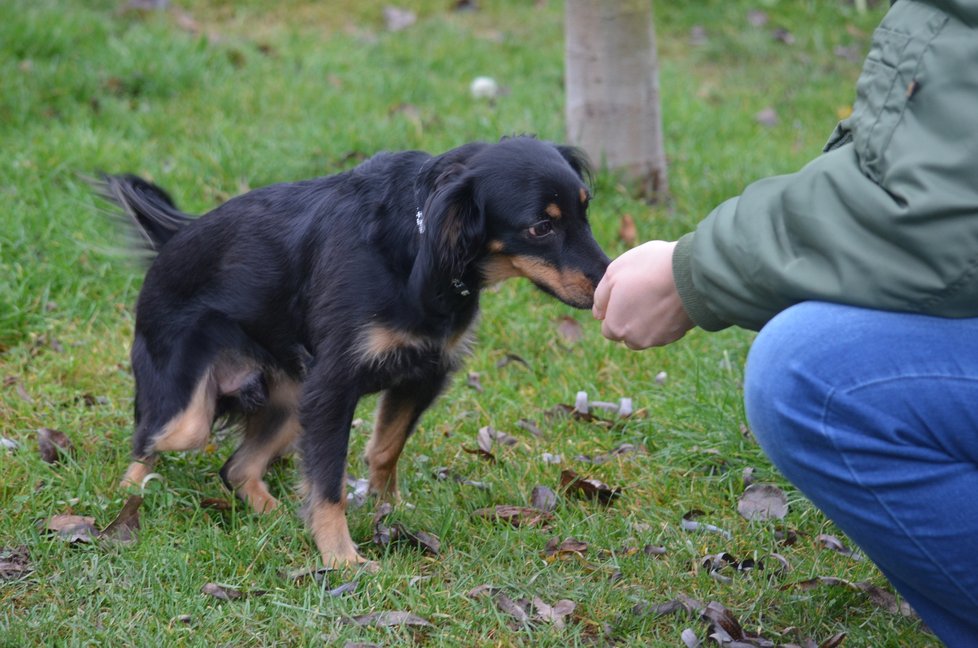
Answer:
(175, 407)
(398, 412)
(268, 434)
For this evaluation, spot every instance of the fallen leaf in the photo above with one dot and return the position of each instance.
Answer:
(568, 547)
(357, 492)
(543, 498)
(488, 456)
(529, 426)
(767, 117)
(317, 574)
(689, 638)
(722, 617)
(345, 588)
(398, 19)
(551, 458)
(221, 592)
(570, 329)
(216, 503)
(555, 613)
(836, 545)
(518, 516)
(9, 444)
(15, 563)
(834, 641)
(474, 381)
(763, 502)
(519, 610)
(52, 444)
(689, 523)
(748, 476)
(73, 528)
(562, 409)
(782, 35)
(756, 18)
(653, 550)
(124, 527)
(879, 596)
(388, 619)
(511, 357)
(571, 482)
(627, 231)
(482, 590)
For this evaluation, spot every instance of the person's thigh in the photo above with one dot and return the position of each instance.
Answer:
(874, 416)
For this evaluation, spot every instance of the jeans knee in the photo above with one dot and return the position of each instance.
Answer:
(783, 391)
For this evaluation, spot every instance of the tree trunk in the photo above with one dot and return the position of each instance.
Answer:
(612, 70)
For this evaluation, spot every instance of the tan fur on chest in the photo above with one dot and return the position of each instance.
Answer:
(380, 344)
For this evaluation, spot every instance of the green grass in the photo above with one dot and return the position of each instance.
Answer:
(263, 92)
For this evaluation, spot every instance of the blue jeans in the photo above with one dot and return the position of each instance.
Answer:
(874, 417)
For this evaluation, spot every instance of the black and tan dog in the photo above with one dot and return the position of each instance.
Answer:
(289, 303)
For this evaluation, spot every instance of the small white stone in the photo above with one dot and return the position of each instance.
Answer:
(661, 377)
(484, 87)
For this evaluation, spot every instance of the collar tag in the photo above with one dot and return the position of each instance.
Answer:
(460, 288)
(419, 220)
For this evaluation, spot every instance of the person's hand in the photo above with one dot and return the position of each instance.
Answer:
(637, 299)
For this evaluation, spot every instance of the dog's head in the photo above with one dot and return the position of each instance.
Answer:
(513, 209)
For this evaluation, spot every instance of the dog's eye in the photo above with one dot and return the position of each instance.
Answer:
(541, 229)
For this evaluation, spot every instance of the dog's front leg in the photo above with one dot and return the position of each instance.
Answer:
(326, 414)
(398, 412)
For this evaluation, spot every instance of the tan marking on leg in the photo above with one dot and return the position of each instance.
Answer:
(385, 446)
(191, 428)
(261, 446)
(583, 195)
(553, 211)
(327, 521)
(136, 473)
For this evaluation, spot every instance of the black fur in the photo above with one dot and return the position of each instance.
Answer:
(282, 283)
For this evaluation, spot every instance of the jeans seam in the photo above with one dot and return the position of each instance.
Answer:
(853, 473)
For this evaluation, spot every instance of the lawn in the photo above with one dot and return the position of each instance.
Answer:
(212, 97)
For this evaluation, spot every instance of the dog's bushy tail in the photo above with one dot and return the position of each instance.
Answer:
(150, 210)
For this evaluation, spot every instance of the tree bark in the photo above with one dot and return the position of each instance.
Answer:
(612, 85)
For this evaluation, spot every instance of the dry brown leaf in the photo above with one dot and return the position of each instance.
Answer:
(221, 592)
(216, 503)
(567, 547)
(570, 329)
(518, 516)
(722, 617)
(555, 613)
(836, 545)
(15, 563)
(763, 502)
(388, 619)
(519, 610)
(529, 426)
(571, 482)
(511, 357)
(834, 641)
(653, 550)
(543, 498)
(53, 445)
(627, 231)
(481, 590)
(879, 596)
(475, 382)
(689, 523)
(124, 527)
(73, 528)
(488, 456)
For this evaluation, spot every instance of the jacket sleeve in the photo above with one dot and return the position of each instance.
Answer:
(886, 217)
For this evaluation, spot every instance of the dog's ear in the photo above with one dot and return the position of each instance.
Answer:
(577, 159)
(455, 223)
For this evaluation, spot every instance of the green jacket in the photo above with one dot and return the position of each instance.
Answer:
(886, 217)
